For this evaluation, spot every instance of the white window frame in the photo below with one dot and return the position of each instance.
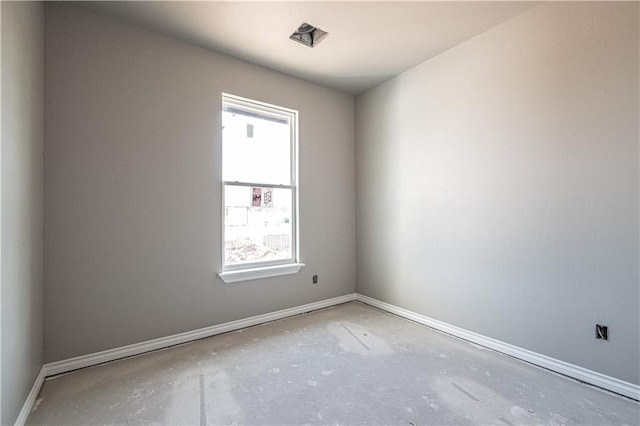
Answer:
(277, 267)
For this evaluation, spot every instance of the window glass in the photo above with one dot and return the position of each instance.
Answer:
(258, 224)
(256, 146)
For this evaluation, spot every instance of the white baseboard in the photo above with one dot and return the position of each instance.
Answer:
(31, 398)
(64, 366)
(609, 383)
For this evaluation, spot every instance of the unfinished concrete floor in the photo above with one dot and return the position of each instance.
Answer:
(351, 364)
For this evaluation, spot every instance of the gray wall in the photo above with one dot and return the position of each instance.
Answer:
(22, 184)
(497, 185)
(133, 186)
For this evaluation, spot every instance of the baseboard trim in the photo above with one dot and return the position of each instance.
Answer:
(30, 402)
(594, 378)
(67, 365)
(83, 361)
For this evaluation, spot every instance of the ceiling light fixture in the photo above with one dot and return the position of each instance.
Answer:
(308, 35)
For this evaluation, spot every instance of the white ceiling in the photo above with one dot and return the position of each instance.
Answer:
(368, 42)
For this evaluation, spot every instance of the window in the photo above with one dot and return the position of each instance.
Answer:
(259, 173)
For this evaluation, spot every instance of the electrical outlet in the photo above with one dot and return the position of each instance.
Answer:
(315, 279)
(602, 332)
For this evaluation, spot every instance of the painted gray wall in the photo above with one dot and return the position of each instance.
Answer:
(22, 186)
(133, 186)
(497, 185)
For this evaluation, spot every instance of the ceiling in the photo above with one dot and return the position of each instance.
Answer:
(368, 41)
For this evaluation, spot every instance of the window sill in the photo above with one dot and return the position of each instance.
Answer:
(257, 273)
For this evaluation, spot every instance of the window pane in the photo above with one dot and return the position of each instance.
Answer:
(257, 224)
(256, 146)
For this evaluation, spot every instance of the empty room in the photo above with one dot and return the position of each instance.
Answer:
(399, 213)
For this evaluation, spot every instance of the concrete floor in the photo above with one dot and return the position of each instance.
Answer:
(351, 364)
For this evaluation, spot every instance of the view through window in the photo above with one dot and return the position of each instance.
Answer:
(259, 172)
